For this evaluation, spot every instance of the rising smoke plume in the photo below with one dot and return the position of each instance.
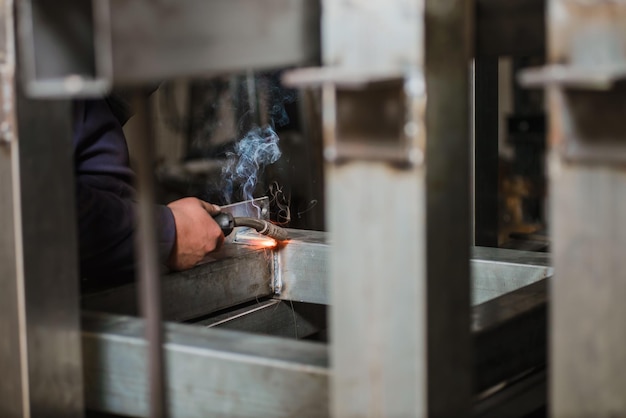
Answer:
(257, 149)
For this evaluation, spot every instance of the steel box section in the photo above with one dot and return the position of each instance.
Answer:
(302, 270)
(146, 41)
(56, 47)
(210, 372)
(229, 373)
(237, 274)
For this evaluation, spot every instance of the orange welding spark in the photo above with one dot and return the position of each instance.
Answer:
(260, 241)
(265, 243)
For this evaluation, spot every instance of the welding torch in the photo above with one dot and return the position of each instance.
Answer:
(228, 222)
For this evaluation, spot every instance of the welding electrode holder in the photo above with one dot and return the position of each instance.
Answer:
(228, 222)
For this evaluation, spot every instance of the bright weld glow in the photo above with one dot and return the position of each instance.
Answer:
(257, 241)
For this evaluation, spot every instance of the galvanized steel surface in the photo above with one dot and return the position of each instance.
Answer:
(588, 367)
(237, 274)
(210, 373)
(142, 40)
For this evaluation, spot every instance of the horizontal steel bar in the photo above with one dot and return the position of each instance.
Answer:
(510, 334)
(273, 317)
(235, 275)
(143, 40)
(215, 372)
(210, 372)
(241, 273)
(302, 270)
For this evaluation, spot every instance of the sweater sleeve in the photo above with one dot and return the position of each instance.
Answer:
(106, 198)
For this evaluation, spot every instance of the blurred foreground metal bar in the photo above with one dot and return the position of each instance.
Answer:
(447, 48)
(216, 373)
(148, 265)
(486, 159)
(40, 352)
(14, 394)
(210, 372)
(200, 38)
(587, 97)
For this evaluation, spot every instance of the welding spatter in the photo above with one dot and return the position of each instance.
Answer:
(228, 222)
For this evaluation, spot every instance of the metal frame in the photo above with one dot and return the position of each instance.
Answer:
(40, 351)
(205, 366)
(584, 79)
(398, 212)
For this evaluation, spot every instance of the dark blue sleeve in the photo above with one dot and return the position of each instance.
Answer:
(106, 196)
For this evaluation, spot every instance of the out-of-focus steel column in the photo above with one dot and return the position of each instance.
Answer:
(148, 263)
(448, 40)
(382, 276)
(375, 207)
(14, 383)
(587, 99)
(40, 351)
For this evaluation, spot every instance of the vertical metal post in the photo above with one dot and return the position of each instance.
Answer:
(14, 395)
(400, 290)
(148, 270)
(448, 43)
(40, 354)
(587, 138)
(486, 151)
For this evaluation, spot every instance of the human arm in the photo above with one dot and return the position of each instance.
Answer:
(107, 208)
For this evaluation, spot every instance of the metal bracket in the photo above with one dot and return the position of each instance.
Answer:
(56, 46)
(588, 126)
(373, 117)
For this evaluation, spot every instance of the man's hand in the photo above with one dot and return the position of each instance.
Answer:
(197, 234)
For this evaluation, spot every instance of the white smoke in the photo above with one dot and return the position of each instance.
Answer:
(252, 153)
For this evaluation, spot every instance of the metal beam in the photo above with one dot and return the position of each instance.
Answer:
(486, 158)
(236, 274)
(447, 218)
(210, 372)
(50, 250)
(510, 335)
(39, 313)
(298, 272)
(56, 46)
(226, 373)
(142, 40)
(588, 368)
(586, 95)
(303, 274)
